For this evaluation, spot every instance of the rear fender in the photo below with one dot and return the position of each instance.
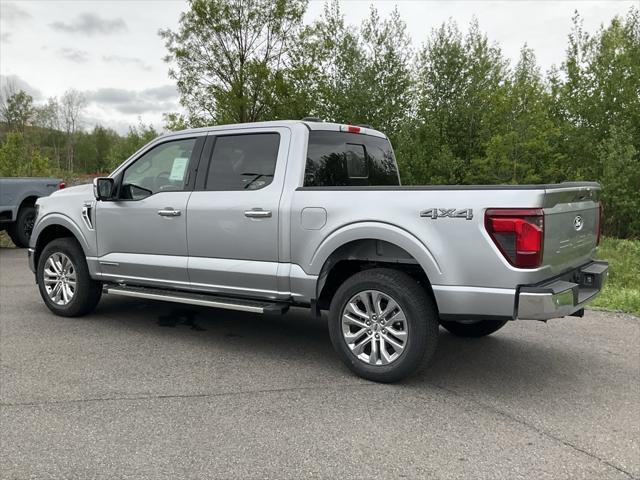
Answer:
(375, 231)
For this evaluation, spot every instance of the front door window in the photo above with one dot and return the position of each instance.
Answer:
(162, 169)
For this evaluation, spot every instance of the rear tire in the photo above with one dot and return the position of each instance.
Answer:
(20, 230)
(63, 266)
(399, 318)
(478, 329)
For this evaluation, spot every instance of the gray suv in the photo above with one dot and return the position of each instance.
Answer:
(260, 217)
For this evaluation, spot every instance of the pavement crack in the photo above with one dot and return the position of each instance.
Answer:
(179, 396)
(536, 429)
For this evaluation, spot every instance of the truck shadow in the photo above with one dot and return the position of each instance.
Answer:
(506, 360)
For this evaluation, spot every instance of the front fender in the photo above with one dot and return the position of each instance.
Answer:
(375, 231)
(63, 221)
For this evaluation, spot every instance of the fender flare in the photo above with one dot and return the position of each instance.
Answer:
(375, 231)
(62, 221)
(26, 195)
(16, 208)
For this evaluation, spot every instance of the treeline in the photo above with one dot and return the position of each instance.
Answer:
(456, 110)
(47, 139)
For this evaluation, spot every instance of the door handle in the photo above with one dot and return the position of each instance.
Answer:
(257, 213)
(169, 212)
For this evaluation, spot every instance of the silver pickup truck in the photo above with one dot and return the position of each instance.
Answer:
(260, 217)
(18, 197)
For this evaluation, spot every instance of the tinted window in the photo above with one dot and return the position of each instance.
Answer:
(243, 162)
(357, 165)
(163, 168)
(349, 159)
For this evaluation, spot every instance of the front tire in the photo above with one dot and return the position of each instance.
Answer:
(20, 230)
(383, 325)
(478, 329)
(64, 281)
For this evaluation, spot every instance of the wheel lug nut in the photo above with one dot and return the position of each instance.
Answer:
(384, 330)
(368, 322)
(377, 335)
(368, 332)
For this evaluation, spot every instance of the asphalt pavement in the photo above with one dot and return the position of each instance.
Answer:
(143, 389)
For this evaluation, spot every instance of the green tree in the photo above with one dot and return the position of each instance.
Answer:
(597, 108)
(387, 74)
(355, 75)
(16, 109)
(523, 150)
(136, 138)
(226, 56)
(337, 82)
(460, 82)
(17, 159)
(71, 109)
(39, 164)
(47, 118)
(621, 179)
(13, 156)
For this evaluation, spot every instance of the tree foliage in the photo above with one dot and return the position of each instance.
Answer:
(229, 56)
(16, 108)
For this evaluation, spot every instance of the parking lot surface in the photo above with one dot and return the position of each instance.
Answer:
(155, 390)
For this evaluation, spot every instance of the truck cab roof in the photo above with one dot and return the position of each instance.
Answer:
(311, 125)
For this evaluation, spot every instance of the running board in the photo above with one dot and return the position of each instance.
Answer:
(202, 299)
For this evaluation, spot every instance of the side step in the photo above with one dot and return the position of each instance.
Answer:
(202, 299)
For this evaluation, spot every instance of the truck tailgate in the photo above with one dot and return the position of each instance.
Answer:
(571, 225)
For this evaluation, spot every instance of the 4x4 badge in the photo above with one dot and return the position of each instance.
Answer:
(466, 213)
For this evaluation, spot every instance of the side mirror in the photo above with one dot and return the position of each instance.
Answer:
(103, 188)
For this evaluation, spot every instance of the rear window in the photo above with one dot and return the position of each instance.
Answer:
(339, 159)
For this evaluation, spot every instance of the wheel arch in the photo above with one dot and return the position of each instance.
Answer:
(370, 245)
(56, 226)
(28, 201)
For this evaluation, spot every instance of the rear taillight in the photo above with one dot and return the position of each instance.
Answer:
(518, 233)
(599, 223)
(61, 185)
(350, 128)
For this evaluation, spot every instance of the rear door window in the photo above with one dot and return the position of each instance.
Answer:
(243, 162)
(336, 159)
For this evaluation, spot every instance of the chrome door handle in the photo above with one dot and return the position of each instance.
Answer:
(257, 213)
(169, 212)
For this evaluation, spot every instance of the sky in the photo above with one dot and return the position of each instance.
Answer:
(111, 51)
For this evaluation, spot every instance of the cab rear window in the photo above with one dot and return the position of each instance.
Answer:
(340, 159)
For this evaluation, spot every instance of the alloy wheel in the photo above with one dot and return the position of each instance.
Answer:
(374, 327)
(59, 278)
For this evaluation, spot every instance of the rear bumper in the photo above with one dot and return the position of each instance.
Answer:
(563, 296)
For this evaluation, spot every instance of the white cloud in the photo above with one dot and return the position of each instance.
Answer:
(73, 55)
(150, 100)
(16, 83)
(91, 24)
(11, 12)
(136, 62)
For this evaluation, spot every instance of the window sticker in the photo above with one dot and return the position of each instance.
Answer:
(178, 169)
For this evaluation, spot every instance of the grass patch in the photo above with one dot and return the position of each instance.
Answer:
(5, 241)
(622, 292)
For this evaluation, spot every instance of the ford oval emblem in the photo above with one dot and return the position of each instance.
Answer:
(578, 223)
